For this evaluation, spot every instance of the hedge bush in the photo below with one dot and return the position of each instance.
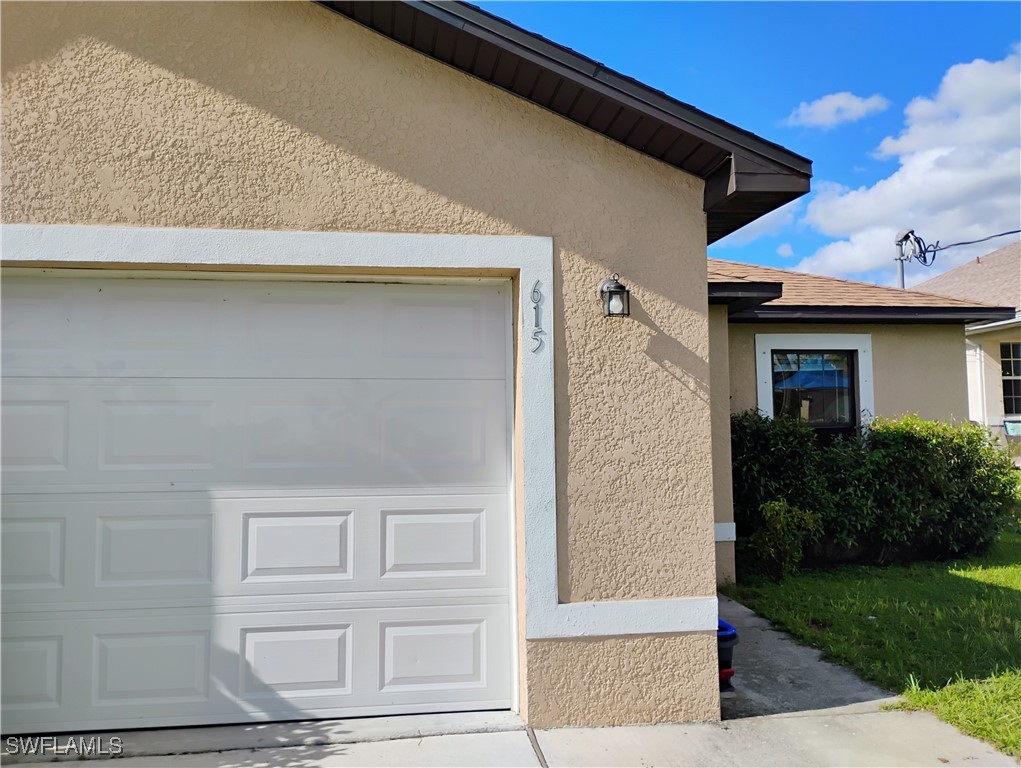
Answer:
(779, 545)
(905, 489)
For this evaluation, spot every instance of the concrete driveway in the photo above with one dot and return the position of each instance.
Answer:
(789, 709)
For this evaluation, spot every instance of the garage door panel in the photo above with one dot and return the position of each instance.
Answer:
(216, 329)
(356, 433)
(154, 551)
(252, 501)
(34, 554)
(253, 666)
(35, 433)
(35, 333)
(144, 550)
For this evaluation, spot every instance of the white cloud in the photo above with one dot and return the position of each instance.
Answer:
(769, 224)
(785, 250)
(958, 178)
(836, 108)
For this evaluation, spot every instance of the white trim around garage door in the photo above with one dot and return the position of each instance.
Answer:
(860, 343)
(530, 257)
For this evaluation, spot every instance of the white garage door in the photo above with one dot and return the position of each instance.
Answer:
(230, 501)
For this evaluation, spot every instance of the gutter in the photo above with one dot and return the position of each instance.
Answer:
(992, 326)
(873, 314)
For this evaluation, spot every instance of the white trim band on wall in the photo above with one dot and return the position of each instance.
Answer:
(531, 257)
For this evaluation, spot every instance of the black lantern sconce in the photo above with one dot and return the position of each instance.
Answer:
(616, 297)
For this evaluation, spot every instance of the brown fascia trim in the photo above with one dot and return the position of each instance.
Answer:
(746, 176)
(512, 36)
(740, 296)
(904, 315)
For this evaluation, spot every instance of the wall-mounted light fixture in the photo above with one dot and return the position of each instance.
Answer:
(616, 297)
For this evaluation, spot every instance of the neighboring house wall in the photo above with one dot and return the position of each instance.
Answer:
(286, 116)
(723, 483)
(986, 386)
(916, 368)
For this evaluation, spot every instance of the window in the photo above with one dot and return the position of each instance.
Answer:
(816, 387)
(1010, 365)
(824, 379)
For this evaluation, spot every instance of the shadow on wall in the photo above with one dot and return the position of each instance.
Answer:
(673, 357)
(457, 143)
(269, 99)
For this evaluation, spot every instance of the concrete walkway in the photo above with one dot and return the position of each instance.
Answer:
(789, 709)
(774, 675)
(851, 736)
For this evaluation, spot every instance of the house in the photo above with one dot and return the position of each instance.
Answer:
(311, 408)
(994, 347)
(832, 352)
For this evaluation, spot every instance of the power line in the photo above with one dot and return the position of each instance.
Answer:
(911, 246)
(925, 254)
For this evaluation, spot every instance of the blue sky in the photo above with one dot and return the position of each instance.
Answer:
(950, 168)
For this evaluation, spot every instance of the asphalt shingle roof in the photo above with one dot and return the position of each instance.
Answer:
(804, 290)
(994, 278)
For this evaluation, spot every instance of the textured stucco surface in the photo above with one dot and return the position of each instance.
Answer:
(915, 368)
(623, 680)
(723, 482)
(286, 116)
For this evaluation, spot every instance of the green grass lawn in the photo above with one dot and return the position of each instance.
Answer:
(945, 635)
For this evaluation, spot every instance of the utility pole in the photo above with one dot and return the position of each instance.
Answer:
(902, 237)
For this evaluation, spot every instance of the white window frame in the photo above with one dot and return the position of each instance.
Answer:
(1003, 378)
(531, 258)
(859, 343)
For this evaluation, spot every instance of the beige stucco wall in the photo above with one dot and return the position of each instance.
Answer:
(286, 116)
(659, 670)
(723, 485)
(915, 368)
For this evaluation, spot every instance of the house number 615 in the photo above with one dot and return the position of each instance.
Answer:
(537, 331)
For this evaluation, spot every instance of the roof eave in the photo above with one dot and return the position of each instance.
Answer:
(750, 175)
(872, 314)
(740, 296)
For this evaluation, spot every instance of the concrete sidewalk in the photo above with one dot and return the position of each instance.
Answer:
(789, 708)
(775, 675)
(858, 735)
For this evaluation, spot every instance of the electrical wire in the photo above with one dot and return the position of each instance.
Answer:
(925, 254)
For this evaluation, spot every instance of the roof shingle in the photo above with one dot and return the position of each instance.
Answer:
(804, 290)
(995, 277)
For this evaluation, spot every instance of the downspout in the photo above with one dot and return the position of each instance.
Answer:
(982, 383)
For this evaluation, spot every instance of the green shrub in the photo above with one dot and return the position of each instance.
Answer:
(944, 490)
(850, 511)
(774, 459)
(906, 489)
(780, 543)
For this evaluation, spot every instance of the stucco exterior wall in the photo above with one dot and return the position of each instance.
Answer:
(602, 677)
(723, 483)
(286, 116)
(985, 385)
(916, 368)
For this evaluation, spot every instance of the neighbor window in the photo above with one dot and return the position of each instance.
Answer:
(817, 388)
(1010, 364)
